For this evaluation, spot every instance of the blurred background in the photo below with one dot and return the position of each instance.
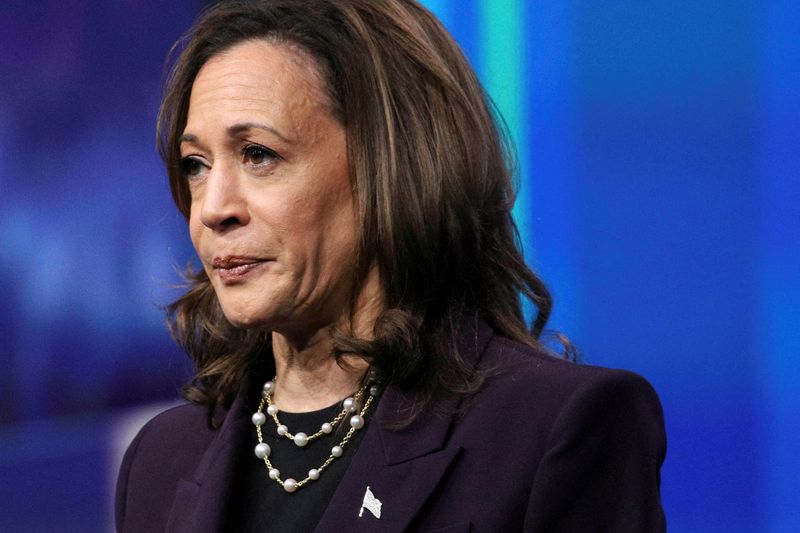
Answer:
(659, 163)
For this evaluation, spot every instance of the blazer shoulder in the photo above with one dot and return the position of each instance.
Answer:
(574, 442)
(596, 428)
(534, 369)
(165, 450)
(181, 431)
(563, 399)
(184, 417)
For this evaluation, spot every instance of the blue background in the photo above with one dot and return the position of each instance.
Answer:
(659, 197)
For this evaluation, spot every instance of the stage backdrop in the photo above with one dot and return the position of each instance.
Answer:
(658, 166)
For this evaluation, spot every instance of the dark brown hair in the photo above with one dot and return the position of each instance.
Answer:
(430, 173)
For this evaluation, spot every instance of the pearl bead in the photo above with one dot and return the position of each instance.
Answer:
(290, 485)
(282, 430)
(272, 410)
(262, 450)
(373, 374)
(350, 404)
(313, 474)
(259, 419)
(269, 387)
(374, 390)
(337, 451)
(357, 421)
(327, 427)
(274, 473)
(301, 439)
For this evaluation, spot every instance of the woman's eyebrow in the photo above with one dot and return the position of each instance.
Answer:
(235, 131)
(243, 127)
(188, 138)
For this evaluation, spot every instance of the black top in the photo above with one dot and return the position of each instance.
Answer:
(259, 503)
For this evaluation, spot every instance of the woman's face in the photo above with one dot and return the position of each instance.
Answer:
(272, 215)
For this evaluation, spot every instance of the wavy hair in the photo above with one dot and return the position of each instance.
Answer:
(430, 171)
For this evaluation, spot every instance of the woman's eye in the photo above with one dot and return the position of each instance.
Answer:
(255, 154)
(191, 166)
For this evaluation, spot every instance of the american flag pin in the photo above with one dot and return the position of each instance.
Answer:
(371, 504)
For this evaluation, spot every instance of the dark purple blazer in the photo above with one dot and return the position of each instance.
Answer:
(546, 445)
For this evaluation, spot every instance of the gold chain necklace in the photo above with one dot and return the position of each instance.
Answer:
(349, 406)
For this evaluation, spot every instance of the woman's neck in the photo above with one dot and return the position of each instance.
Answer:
(310, 378)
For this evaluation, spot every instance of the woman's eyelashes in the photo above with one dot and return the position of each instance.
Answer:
(258, 156)
(255, 156)
(192, 167)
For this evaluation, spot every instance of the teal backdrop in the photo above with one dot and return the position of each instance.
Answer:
(659, 183)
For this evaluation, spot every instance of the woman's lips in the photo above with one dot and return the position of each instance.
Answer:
(236, 269)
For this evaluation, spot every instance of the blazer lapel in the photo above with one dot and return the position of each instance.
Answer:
(200, 502)
(401, 468)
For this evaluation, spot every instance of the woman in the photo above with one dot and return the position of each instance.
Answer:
(363, 361)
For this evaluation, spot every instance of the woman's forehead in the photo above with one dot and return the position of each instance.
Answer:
(257, 81)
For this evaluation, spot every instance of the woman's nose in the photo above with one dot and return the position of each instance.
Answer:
(224, 205)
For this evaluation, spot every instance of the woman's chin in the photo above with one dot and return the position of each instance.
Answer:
(245, 318)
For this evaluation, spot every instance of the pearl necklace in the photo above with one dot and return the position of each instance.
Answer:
(349, 406)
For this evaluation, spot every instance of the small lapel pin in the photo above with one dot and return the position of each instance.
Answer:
(371, 504)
